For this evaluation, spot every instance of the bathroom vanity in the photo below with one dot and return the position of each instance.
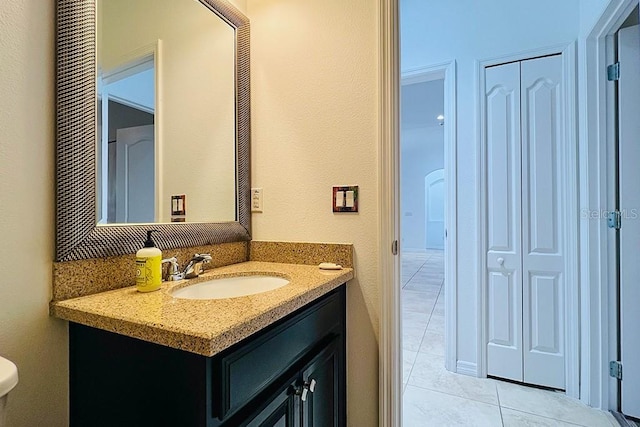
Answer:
(276, 358)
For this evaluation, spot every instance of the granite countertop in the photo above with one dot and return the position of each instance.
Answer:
(204, 327)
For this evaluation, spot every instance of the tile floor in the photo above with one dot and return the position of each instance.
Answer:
(433, 396)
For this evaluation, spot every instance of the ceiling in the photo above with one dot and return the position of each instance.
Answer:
(421, 103)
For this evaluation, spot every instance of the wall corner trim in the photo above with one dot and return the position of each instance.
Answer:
(390, 366)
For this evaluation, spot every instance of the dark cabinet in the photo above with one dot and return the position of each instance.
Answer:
(312, 398)
(291, 373)
(283, 410)
(322, 382)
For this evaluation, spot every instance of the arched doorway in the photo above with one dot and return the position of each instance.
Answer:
(434, 192)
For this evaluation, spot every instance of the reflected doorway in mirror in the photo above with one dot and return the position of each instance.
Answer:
(128, 188)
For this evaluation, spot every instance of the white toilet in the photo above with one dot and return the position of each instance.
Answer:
(8, 380)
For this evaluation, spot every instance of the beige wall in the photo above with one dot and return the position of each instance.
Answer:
(314, 90)
(28, 336)
(590, 12)
(241, 5)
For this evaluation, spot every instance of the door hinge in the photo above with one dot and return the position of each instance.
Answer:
(394, 247)
(613, 72)
(614, 220)
(615, 369)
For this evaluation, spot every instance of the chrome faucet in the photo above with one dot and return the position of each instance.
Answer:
(173, 273)
(194, 268)
(196, 265)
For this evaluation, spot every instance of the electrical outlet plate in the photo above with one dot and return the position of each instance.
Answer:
(256, 200)
(178, 208)
(345, 198)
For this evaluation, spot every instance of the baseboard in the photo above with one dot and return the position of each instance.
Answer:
(467, 368)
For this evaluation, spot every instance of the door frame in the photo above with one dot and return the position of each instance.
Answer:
(628, 402)
(390, 357)
(445, 71)
(390, 351)
(569, 180)
(597, 191)
(127, 62)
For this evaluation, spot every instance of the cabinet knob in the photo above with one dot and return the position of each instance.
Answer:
(501, 261)
(311, 385)
(307, 386)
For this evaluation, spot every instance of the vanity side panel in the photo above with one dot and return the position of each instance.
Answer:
(117, 380)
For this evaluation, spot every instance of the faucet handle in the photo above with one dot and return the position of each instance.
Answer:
(173, 264)
(206, 258)
(202, 259)
(195, 266)
(173, 273)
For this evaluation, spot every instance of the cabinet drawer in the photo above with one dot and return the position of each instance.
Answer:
(246, 370)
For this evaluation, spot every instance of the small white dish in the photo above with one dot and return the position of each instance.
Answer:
(329, 266)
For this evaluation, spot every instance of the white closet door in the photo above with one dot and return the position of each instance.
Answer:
(504, 280)
(542, 245)
(629, 103)
(135, 175)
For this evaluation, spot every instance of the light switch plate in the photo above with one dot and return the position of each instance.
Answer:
(256, 200)
(345, 198)
(179, 204)
(178, 208)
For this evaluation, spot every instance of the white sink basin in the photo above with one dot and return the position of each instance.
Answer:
(230, 287)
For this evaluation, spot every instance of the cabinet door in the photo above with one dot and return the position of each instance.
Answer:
(247, 370)
(322, 405)
(282, 411)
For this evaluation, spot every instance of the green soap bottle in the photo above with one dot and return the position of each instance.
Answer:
(149, 266)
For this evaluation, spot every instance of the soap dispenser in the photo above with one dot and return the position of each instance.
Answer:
(149, 266)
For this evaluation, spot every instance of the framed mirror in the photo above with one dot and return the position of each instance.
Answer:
(153, 125)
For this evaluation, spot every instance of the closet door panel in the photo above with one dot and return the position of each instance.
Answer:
(503, 195)
(543, 253)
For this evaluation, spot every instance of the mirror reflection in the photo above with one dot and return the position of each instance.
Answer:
(166, 113)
